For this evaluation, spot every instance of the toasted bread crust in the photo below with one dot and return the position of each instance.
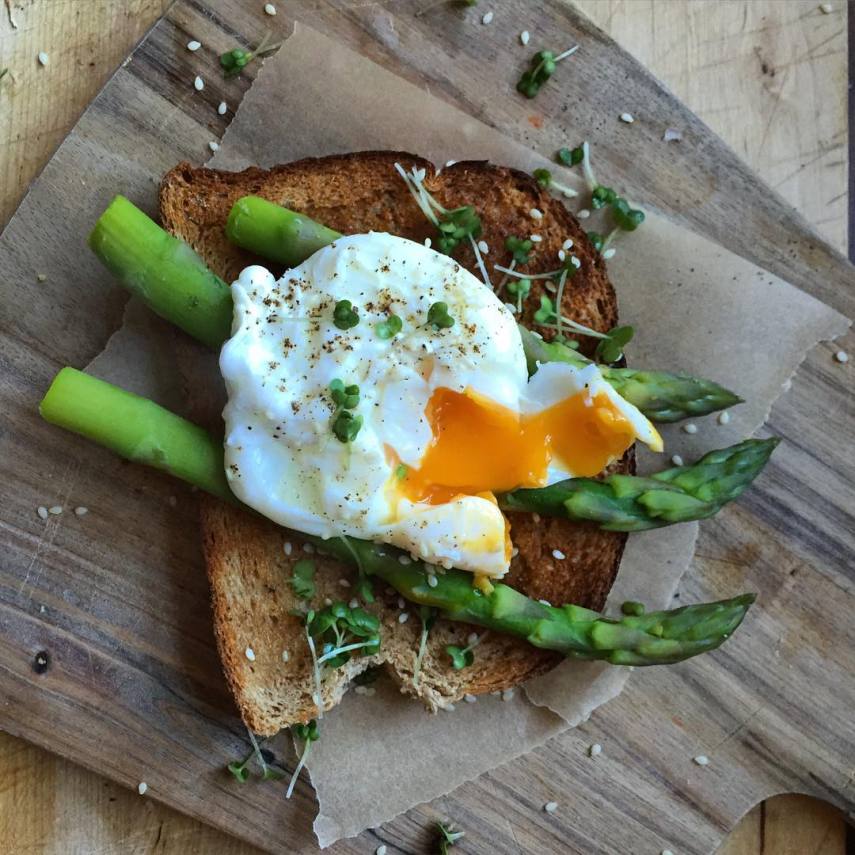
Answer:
(245, 556)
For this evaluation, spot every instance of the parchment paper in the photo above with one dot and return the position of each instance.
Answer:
(696, 308)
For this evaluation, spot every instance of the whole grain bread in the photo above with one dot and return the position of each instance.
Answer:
(261, 641)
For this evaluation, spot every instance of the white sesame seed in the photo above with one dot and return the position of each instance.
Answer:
(826, 8)
(42, 512)
(308, 548)
(482, 245)
(198, 84)
(551, 807)
(380, 850)
(535, 238)
(405, 560)
(81, 511)
(42, 609)
(360, 690)
(841, 356)
(222, 108)
(702, 760)
(676, 460)
(536, 214)
(515, 551)
(403, 617)
(344, 583)
(535, 518)
(41, 277)
(56, 510)
(545, 602)
(470, 699)
(250, 654)
(672, 135)
(568, 244)
(558, 554)
(428, 242)
(507, 694)
(354, 603)
(595, 749)
(584, 214)
(724, 417)
(487, 18)
(142, 787)
(691, 427)
(213, 145)
(327, 601)
(44, 59)
(269, 9)
(450, 163)
(432, 580)
(448, 708)
(471, 638)
(193, 45)
(524, 37)
(666, 852)
(561, 255)
(627, 117)
(609, 253)
(285, 655)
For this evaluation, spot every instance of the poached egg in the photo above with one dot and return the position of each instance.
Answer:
(449, 415)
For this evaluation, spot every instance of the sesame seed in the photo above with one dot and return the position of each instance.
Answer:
(482, 245)
(327, 601)
(575, 262)
(44, 59)
(193, 45)
(536, 214)
(524, 37)
(403, 617)
(344, 583)
(507, 694)
(535, 518)
(198, 84)
(450, 163)
(584, 214)
(487, 18)
(691, 427)
(81, 511)
(380, 850)
(672, 135)
(405, 560)
(222, 108)
(627, 117)
(428, 242)
(568, 244)
(41, 277)
(551, 807)
(470, 699)
(42, 512)
(558, 554)
(354, 603)
(401, 602)
(472, 638)
(676, 460)
(826, 8)
(269, 9)
(702, 760)
(432, 580)
(142, 787)
(609, 253)
(515, 551)
(724, 418)
(666, 852)
(285, 655)
(841, 356)
(535, 238)
(545, 602)
(561, 255)
(511, 308)
(308, 548)
(288, 548)
(448, 708)
(56, 510)
(250, 654)
(595, 749)
(213, 145)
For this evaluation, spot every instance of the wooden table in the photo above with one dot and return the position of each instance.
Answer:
(743, 65)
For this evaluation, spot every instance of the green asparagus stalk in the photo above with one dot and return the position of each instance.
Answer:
(136, 428)
(275, 232)
(656, 638)
(165, 273)
(144, 432)
(633, 503)
(660, 395)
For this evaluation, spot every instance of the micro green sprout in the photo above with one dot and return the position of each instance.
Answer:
(234, 61)
(448, 836)
(544, 179)
(389, 328)
(303, 579)
(569, 157)
(439, 317)
(345, 315)
(428, 618)
(519, 288)
(345, 424)
(308, 733)
(540, 69)
(463, 657)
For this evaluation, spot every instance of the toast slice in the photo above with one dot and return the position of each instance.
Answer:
(261, 642)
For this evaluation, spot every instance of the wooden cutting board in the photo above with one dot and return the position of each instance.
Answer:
(134, 690)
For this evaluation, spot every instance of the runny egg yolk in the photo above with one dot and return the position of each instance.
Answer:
(481, 447)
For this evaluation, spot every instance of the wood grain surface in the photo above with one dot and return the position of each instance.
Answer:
(745, 68)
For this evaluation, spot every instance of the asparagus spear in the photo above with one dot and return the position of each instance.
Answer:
(660, 395)
(655, 638)
(632, 503)
(165, 273)
(275, 232)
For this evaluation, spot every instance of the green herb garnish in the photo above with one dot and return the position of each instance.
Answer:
(438, 316)
(234, 61)
(346, 425)
(428, 618)
(632, 608)
(240, 771)
(345, 315)
(540, 69)
(520, 249)
(389, 328)
(455, 225)
(303, 579)
(340, 630)
(344, 396)
(462, 657)
(401, 471)
(610, 349)
(448, 836)
(570, 157)
(628, 219)
(520, 289)
(602, 196)
(596, 239)
(308, 733)
(545, 179)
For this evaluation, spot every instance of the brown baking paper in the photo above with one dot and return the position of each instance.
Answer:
(696, 308)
